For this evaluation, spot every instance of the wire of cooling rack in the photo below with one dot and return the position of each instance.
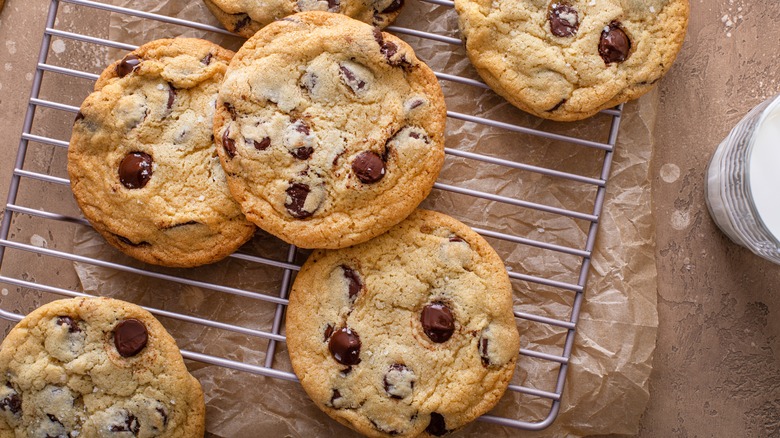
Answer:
(288, 264)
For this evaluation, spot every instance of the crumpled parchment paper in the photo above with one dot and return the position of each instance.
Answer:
(607, 383)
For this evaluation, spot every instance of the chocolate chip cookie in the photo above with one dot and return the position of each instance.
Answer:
(330, 131)
(409, 333)
(142, 160)
(569, 59)
(245, 17)
(96, 367)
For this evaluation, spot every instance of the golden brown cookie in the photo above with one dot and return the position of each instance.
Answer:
(569, 59)
(96, 367)
(142, 161)
(409, 333)
(331, 131)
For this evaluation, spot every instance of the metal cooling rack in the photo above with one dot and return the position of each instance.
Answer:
(289, 267)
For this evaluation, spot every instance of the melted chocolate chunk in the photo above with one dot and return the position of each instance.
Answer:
(388, 48)
(302, 153)
(345, 346)
(336, 395)
(131, 425)
(418, 136)
(68, 321)
(228, 144)
(12, 402)
(483, 351)
(135, 170)
(127, 241)
(171, 95)
(346, 371)
(298, 193)
(230, 109)
(128, 64)
(368, 167)
(243, 22)
(393, 6)
(456, 239)
(355, 285)
(334, 5)
(328, 332)
(262, 144)
(415, 103)
(557, 105)
(302, 127)
(437, 426)
(438, 322)
(206, 59)
(564, 20)
(614, 44)
(355, 84)
(79, 116)
(130, 337)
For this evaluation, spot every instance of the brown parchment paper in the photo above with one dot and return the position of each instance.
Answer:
(607, 382)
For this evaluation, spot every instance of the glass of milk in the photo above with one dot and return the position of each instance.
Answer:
(743, 182)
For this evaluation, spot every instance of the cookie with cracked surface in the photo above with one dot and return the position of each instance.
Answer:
(330, 131)
(569, 59)
(246, 17)
(142, 161)
(408, 334)
(96, 367)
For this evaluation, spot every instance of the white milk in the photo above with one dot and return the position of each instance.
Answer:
(764, 171)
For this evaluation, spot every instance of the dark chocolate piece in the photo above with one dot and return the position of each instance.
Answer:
(135, 170)
(130, 337)
(345, 346)
(438, 322)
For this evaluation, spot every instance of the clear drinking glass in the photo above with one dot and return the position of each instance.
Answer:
(743, 182)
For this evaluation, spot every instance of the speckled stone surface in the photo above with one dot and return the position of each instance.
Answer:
(717, 366)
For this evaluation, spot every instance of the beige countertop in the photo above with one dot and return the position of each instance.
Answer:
(717, 363)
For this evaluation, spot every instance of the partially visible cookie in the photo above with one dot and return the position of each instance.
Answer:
(409, 333)
(245, 17)
(331, 131)
(96, 367)
(569, 59)
(142, 160)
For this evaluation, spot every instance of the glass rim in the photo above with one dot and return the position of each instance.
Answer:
(771, 104)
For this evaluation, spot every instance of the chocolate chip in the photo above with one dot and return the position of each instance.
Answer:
(302, 153)
(243, 22)
(344, 346)
(483, 351)
(131, 425)
(12, 402)
(302, 127)
(135, 170)
(346, 371)
(228, 144)
(230, 109)
(557, 105)
(438, 322)
(309, 81)
(614, 44)
(388, 48)
(393, 6)
(353, 82)
(171, 95)
(564, 20)
(355, 285)
(262, 144)
(368, 167)
(127, 241)
(68, 321)
(128, 64)
(163, 414)
(79, 116)
(298, 192)
(130, 337)
(328, 332)
(436, 427)
(456, 239)
(391, 381)
(336, 395)
(418, 136)
(415, 103)
(206, 59)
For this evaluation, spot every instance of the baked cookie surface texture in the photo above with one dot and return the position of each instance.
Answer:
(409, 334)
(96, 367)
(330, 131)
(569, 59)
(245, 17)
(142, 161)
